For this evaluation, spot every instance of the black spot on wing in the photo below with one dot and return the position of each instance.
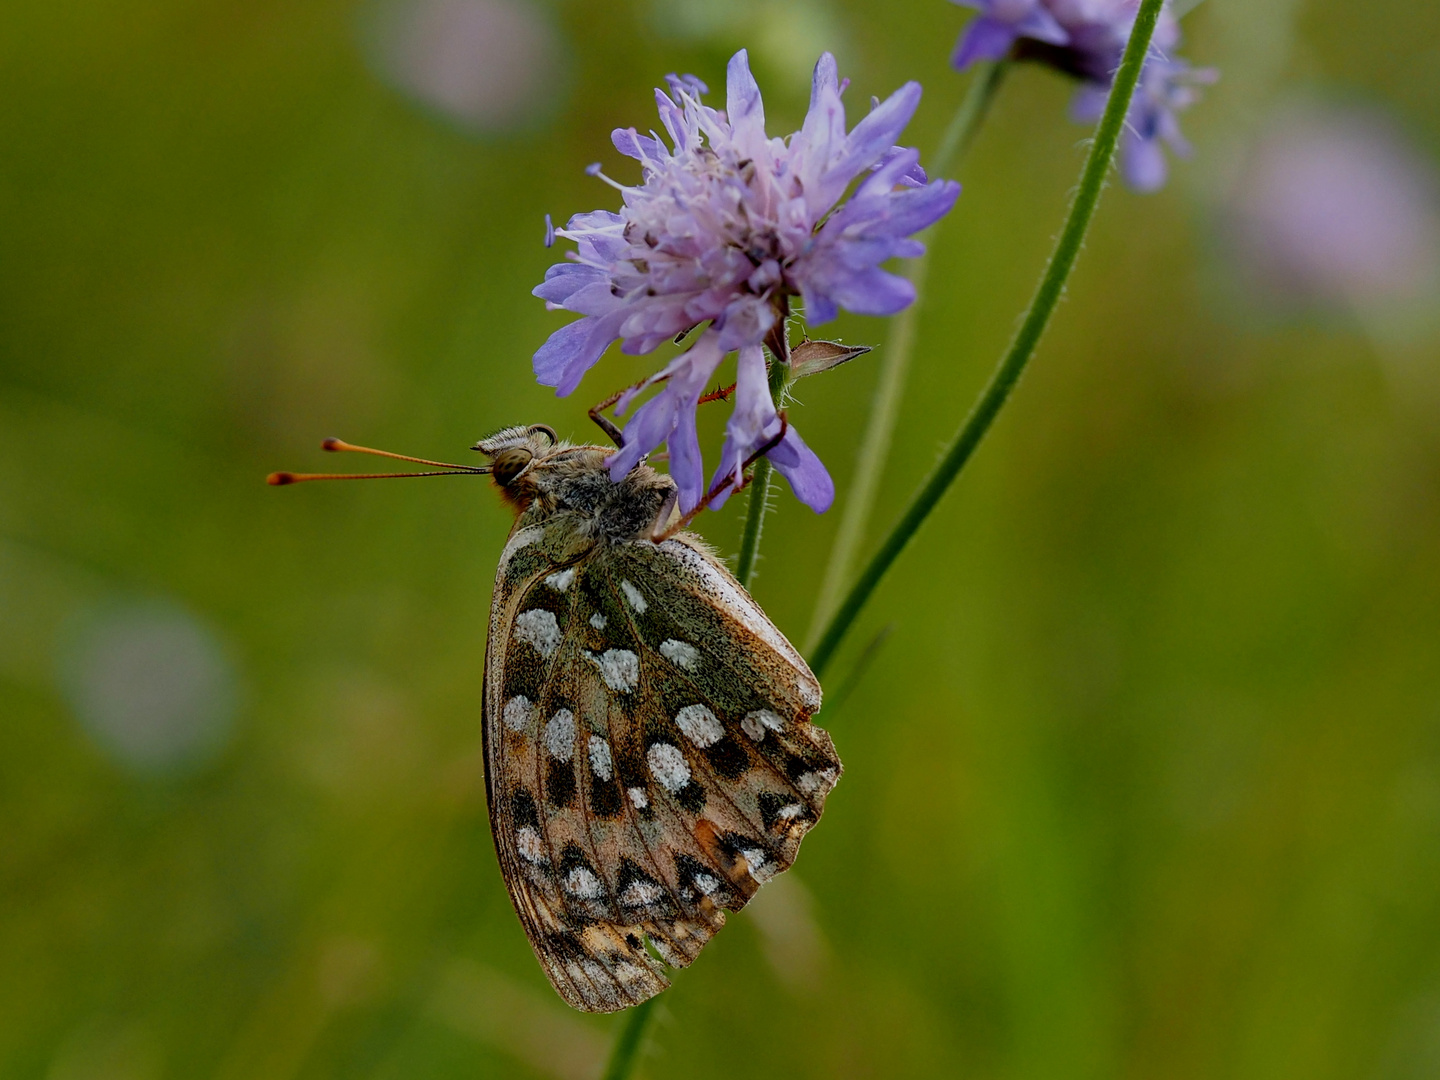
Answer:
(728, 758)
(525, 673)
(559, 783)
(594, 596)
(524, 563)
(522, 808)
(780, 812)
(604, 797)
(691, 797)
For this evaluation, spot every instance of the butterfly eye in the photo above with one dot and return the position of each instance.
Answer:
(509, 464)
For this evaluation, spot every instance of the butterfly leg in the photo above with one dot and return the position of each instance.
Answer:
(662, 519)
(605, 424)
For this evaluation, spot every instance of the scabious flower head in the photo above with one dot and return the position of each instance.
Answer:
(1086, 39)
(727, 225)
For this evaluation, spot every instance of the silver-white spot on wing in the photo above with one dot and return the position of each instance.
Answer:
(560, 735)
(620, 668)
(756, 723)
(809, 693)
(518, 713)
(561, 579)
(598, 621)
(641, 893)
(637, 797)
(582, 883)
(600, 763)
(680, 653)
(633, 597)
(668, 765)
(759, 864)
(700, 725)
(530, 846)
(811, 782)
(537, 627)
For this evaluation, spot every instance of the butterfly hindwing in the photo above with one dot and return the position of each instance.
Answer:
(649, 756)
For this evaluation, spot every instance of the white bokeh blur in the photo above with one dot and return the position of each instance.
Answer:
(486, 65)
(1334, 208)
(151, 685)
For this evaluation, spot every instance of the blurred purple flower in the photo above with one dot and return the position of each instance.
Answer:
(725, 228)
(487, 65)
(1335, 207)
(1086, 39)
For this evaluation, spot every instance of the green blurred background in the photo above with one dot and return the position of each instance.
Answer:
(1145, 781)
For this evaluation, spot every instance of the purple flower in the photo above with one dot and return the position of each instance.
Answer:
(726, 225)
(1086, 39)
(1000, 23)
(1336, 208)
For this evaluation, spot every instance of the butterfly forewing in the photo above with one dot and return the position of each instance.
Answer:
(650, 759)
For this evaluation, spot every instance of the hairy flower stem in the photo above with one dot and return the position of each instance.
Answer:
(1037, 316)
(626, 1051)
(895, 365)
(760, 480)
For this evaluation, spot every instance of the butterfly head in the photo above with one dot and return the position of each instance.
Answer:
(513, 453)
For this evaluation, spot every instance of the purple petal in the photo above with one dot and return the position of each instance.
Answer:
(670, 417)
(563, 280)
(754, 413)
(890, 170)
(743, 107)
(984, 39)
(877, 133)
(819, 308)
(804, 470)
(687, 468)
(872, 292)
(1040, 25)
(908, 211)
(1143, 163)
(573, 350)
(747, 321)
(640, 147)
(648, 428)
(1088, 104)
(824, 127)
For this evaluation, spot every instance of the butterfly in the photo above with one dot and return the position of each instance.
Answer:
(649, 756)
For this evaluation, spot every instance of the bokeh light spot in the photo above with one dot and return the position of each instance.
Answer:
(487, 65)
(151, 685)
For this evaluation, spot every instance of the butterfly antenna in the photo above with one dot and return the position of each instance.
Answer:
(335, 446)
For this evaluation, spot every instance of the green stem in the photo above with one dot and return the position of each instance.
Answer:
(1037, 316)
(760, 479)
(627, 1045)
(894, 366)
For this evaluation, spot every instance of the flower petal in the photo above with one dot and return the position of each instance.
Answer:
(573, 350)
(743, 107)
(984, 39)
(874, 135)
(805, 471)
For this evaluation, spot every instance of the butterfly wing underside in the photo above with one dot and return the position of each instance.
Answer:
(650, 760)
